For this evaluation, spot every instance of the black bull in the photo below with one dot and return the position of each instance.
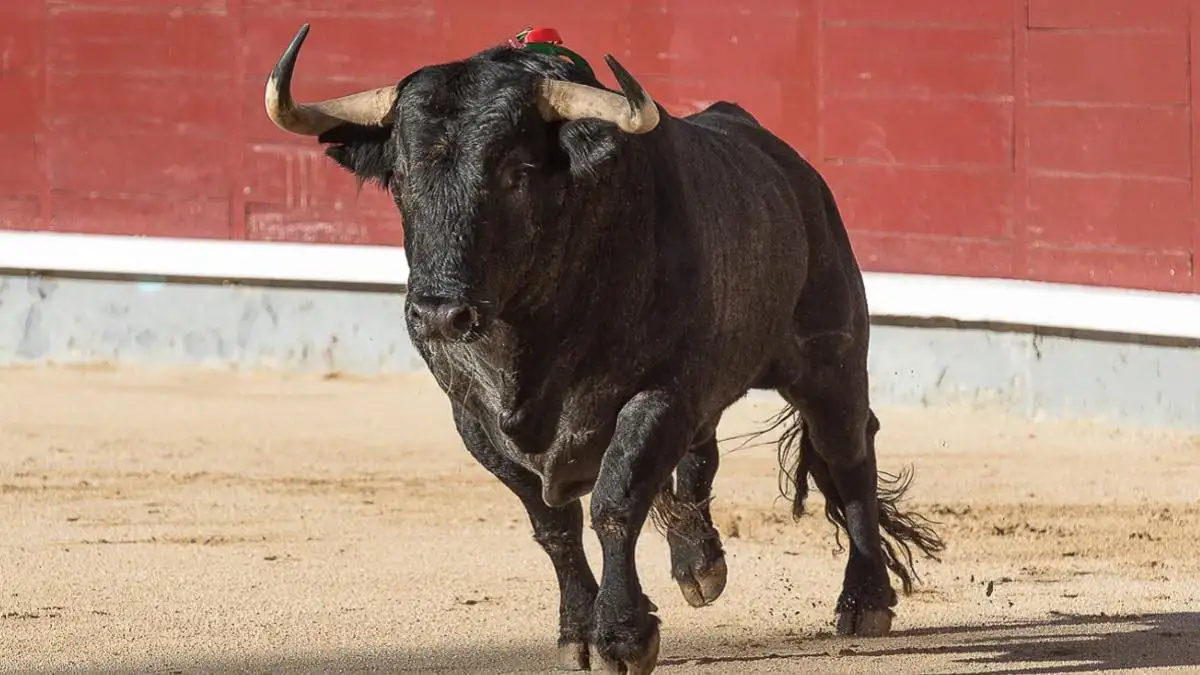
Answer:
(593, 282)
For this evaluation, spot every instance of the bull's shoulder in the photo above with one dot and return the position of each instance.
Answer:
(731, 126)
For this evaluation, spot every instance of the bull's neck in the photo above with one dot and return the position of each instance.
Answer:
(577, 311)
(610, 255)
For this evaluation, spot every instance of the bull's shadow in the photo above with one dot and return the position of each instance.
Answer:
(1062, 643)
(1059, 644)
(1069, 643)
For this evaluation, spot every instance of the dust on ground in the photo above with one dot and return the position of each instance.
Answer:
(220, 522)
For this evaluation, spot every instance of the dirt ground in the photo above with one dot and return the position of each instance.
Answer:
(217, 522)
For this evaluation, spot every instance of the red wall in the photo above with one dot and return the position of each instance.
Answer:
(1040, 139)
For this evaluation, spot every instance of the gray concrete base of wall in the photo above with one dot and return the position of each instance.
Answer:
(47, 320)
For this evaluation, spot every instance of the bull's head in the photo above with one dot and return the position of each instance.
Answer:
(484, 158)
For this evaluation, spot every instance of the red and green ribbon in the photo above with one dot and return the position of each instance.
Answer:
(547, 41)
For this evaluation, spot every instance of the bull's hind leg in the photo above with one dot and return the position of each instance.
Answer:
(560, 533)
(697, 559)
(837, 448)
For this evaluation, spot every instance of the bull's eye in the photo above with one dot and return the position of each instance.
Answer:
(515, 174)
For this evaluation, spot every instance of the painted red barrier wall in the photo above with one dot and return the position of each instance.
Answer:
(1042, 139)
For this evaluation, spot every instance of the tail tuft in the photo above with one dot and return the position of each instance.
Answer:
(904, 530)
(901, 531)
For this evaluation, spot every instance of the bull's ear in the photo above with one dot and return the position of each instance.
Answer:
(590, 146)
(366, 152)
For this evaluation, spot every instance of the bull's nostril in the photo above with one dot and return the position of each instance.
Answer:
(462, 319)
(434, 317)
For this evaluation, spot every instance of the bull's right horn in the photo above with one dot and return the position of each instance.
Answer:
(369, 108)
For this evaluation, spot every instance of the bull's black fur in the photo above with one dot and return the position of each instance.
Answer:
(630, 288)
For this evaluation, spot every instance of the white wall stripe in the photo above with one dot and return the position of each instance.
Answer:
(203, 258)
(891, 295)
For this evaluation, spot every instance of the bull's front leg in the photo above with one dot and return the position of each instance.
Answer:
(560, 533)
(651, 435)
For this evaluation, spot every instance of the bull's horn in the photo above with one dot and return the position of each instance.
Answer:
(635, 112)
(368, 108)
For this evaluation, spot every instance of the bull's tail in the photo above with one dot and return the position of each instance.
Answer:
(901, 531)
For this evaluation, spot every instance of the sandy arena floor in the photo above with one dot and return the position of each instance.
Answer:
(210, 522)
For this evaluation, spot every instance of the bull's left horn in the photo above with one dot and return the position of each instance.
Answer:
(369, 108)
(634, 112)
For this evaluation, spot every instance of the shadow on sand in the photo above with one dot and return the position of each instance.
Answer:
(1064, 643)
(1058, 644)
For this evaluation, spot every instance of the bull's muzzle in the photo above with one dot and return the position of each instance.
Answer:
(437, 318)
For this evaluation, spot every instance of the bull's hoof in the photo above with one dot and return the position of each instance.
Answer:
(640, 661)
(702, 586)
(573, 656)
(865, 623)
